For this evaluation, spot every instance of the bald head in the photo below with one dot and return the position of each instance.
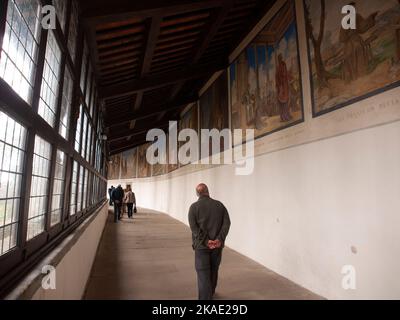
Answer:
(202, 190)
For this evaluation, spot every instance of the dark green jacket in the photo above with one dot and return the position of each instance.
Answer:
(208, 220)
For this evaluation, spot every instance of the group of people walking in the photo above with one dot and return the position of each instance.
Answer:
(122, 200)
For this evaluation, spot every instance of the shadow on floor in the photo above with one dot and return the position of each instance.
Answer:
(151, 258)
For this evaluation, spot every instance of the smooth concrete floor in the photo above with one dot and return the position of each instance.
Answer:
(151, 258)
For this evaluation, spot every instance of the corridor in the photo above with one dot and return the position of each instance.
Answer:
(254, 103)
(151, 258)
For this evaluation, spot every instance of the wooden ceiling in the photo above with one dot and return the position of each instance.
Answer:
(153, 56)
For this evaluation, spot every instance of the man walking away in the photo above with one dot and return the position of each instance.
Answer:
(130, 201)
(210, 223)
(110, 191)
(117, 197)
(124, 207)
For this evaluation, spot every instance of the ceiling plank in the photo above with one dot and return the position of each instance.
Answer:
(154, 82)
(136, 143)
(113, 137)
(105, 11)
(149, 111)
(120, 42)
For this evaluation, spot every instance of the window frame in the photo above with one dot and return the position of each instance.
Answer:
(20, 197)
(18, 261)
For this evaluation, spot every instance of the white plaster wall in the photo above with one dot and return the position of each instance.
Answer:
(304, 207)
(73, 271)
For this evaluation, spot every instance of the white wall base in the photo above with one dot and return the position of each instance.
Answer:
(72, 259)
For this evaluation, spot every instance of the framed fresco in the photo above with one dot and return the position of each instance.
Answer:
(347, 66)
(144, 168)
(170, 167)
(159, 168)
(214, 105)
(129, 164)
(265, 80)
(214, 108)
(114, 167)
(190, 120)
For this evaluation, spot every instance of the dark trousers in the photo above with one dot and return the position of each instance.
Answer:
(130, 209)
(117, 212)
(207, 264)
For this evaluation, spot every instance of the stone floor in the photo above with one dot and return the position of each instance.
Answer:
(150, 257)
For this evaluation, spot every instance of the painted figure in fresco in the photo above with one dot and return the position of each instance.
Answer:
(398, 43)
(398, 39)
(294, 95)
(282, 88)
(249, 101)
(115, 167)
(124, 168)
(357, 52)
(143, 162)
(218, 118)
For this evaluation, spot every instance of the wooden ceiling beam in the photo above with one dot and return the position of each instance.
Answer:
(138, 101)
(150, 47)
(210, 32)
(154, 27)
(218, 18)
